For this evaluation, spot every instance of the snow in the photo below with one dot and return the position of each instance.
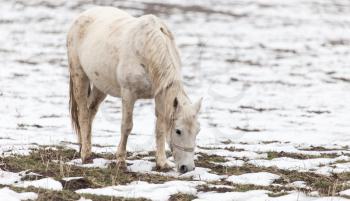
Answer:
(260, 195)
(220, 186)
(345, 193)
(10, 195)
(305, 79)
(227, 153)
(198, 174)
(7, 178)
(259, 178)
(203, 174)
(271, 81)
(302, 197)
(84, 199)
(334, 168)
(71, 178)
(46, 183)
(15, 179)
(96, 163)
(231, 162)
(157, 192)
(140, 166)
(236, 196)
(298, 184)
(298, 164)
(280, 147)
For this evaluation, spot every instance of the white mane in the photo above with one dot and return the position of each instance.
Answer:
(160, 54)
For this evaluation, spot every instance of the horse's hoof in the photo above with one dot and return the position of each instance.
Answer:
(87, 160)
(120, 164)
(164, 167)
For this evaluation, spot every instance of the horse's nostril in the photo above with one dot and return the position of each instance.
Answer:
(183, 169)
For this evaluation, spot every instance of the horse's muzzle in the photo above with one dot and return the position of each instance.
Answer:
(183, 169)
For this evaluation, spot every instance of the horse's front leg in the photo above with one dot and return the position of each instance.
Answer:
(161, 160)
(128, 102)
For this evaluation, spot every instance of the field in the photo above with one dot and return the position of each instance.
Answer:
(275, 77)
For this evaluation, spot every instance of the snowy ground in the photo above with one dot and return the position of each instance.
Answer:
(274, 76)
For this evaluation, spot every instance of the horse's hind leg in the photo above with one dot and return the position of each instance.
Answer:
(88, 106)
(83, 102)
(80, 112)
(81, 89)
(128, 102)
(95, 99)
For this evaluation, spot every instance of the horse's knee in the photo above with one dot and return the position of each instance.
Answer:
(126, 129)
(160, 128)
(129, 128)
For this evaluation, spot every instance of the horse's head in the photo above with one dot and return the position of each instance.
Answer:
(182, 135)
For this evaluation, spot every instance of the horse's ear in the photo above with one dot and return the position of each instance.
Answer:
(175, 103)
(197, 105)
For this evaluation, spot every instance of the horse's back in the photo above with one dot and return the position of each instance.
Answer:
(95, 34)
(96, 17)
(105, 11)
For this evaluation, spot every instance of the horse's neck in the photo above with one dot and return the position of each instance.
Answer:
(165, 100)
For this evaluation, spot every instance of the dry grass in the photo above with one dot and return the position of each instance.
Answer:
(271, 155)
(51, 162)
(67, 195)
(182, 197)
(325, 185)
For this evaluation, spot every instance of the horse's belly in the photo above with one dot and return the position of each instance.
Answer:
(108, 81)
(104, 79)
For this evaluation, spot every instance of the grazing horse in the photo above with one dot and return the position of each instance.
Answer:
(111, 52)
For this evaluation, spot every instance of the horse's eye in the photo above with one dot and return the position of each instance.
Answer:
(178, 131)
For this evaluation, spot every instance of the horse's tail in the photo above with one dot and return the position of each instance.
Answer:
(72, 62)
(73, 107)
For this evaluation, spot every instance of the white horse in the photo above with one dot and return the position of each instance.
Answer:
(111, 52)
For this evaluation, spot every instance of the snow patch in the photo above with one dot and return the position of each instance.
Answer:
(259, 179)
(334, 168)
(345, 193)
(7, 194)
(71, 178)
(7, 178)
(231, 162)
(46, 183)
(157, 192)
(97, 163)
(140, 166)
(260, 195)
(298, 184)
(297, 164)
(203, 174)
(232, 154)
